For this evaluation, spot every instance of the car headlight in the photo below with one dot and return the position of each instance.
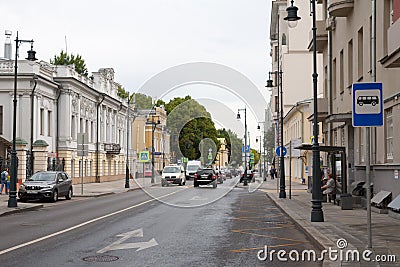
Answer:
(47, 187)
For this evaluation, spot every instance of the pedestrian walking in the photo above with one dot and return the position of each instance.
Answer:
(272, 172)
(8, 182)
(4, 179)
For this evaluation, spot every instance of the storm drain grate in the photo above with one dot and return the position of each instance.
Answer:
(102, 258)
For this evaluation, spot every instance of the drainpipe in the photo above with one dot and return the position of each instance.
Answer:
(35, 79)
(373, 73)
(97, 137)
(329, 85)
(58, 118)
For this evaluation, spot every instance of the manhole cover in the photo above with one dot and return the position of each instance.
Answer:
(102, 258)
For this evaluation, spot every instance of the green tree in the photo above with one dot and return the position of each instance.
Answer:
(191, 122)
(142, 101)
(269, 141)
(122, 93)
(256, 156)
(65, 59)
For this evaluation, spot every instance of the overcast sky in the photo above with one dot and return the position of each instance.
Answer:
(139, 39)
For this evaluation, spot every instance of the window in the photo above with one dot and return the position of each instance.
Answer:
(389, 133)
(81, 125)
(341, 72)
(1, 119)
(276, 53)
(92, 132)
(334, 79)
(360, 59)
(87, 130)
(350, 63)
(73, 129)
(326, 81)
(276, 104)
(343, 137)
(41, 121)
(49, 123)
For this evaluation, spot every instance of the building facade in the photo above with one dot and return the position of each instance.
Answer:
(354, 52)
(55, 106)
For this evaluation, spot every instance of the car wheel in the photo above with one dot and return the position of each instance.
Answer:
(22, 199)
(373, 103)
(54, 196)
(195, 184)
(69, 195)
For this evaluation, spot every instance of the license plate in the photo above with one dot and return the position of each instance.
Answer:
(32, 191)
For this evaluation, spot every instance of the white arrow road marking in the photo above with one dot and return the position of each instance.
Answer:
(139, 245)
(83, 224)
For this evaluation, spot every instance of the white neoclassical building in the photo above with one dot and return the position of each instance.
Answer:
(55, 105)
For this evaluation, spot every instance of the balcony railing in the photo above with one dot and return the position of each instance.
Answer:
(112, 149)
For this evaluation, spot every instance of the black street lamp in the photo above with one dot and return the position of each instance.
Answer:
(282, 191)
(264, 156)
(153, 128)
(12, 201)
(258, 138)
(127, 140)
(245, 143)
(317, 214)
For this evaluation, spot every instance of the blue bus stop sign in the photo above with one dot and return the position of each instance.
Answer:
(278, 151)
(367, 105)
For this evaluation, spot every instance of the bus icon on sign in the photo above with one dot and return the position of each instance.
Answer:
(368, 100)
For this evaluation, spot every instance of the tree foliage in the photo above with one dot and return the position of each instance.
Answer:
(269, 140)
(65, 59)
(141, 101)
(190, 123)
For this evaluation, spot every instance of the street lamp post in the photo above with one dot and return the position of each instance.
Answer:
(264, 156)
(127, 140)
(282, 190)
(317, 214)
(259, 157)
(153, 128)
(127, 145)
(245, 143)
(12, 201)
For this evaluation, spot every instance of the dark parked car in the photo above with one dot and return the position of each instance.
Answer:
(205, 176)
(249, 176)
(46, 185)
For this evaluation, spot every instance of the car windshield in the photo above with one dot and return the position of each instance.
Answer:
(43, 176)
(206, 171)
(171, 169)
(192, 168)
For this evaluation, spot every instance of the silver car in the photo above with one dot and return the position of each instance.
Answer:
(46, 185)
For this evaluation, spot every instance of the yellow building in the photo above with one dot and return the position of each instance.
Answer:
(149, 130)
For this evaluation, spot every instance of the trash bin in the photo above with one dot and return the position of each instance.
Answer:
(346, 201)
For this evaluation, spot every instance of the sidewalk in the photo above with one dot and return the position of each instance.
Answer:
(350, 225)
(89, 190)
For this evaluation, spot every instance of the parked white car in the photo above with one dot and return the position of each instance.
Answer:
(173, 174)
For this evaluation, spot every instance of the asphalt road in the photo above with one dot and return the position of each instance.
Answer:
(165, 226)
